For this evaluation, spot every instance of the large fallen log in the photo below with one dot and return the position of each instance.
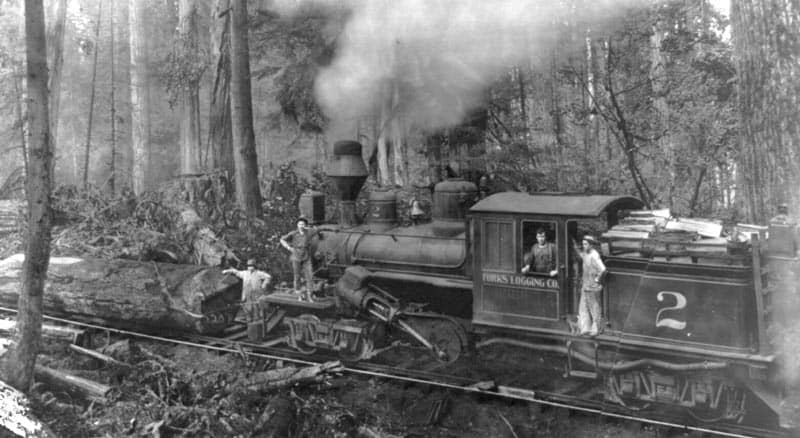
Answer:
(16, 417)
(145, 296)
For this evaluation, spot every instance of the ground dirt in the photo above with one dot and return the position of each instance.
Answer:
(187, 391)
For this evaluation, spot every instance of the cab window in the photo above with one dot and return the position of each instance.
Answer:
(538, 255)
(498, 245)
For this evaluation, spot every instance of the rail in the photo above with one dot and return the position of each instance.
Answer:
(555, 400)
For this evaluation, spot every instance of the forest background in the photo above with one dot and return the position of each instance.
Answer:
(615, 97)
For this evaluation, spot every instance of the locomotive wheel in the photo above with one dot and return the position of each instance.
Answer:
(445, 337)
(357, 349)
(299, 344)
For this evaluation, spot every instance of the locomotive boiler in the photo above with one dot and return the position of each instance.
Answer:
(685, 319)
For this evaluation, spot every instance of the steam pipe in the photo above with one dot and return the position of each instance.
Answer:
(607, 365)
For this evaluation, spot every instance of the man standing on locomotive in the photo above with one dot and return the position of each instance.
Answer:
(542, 256)
(298, 242)
(254, 282)
(589, 310)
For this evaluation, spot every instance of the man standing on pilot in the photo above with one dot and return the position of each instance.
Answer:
(254, 283)
(298, 242)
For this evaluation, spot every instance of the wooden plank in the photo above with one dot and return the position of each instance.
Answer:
(705, 228)
(662, 212)
(620, 234)
(635, 227)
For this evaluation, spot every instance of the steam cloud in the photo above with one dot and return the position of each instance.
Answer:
(429, 62)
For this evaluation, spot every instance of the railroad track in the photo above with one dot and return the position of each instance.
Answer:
(231, 344)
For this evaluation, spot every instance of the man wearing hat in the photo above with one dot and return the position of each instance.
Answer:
(298, 242)
(254, 282)
(589, 310)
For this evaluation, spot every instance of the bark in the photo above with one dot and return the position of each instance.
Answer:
(72, 384)
(56, 67)
(18, 369)
(658, 84)
(400, 157)
(219, 126)
(282, 377)
(147, 296)
(9, 328)
(140, 97)
(88, 146)
(112, 160)
(248, 194)
(99, 356)
(382, 139)
(16, 416)
(23, 144)
(767, 54)
(189, 105)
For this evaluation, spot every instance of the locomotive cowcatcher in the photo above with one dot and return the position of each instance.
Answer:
(684, 318)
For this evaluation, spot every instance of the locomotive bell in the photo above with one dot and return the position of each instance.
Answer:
(347, 172)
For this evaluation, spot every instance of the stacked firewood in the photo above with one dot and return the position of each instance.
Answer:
(659, 235)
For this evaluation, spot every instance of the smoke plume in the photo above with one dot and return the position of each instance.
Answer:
(429, 62)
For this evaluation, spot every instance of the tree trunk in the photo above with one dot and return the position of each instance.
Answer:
(18, 370)
(140, 97)
(768, 62)
(189, 94)
(147, 296)
(112, 164)
(91, 98)
(56, 67)
(400, 157)
(658, 84)
(19, 98)
(219, 126)
(248, 194)
(382, 139)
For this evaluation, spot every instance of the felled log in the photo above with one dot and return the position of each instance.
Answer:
(145, 296)
(8, 327)
(16, 417)
(99, 356)
(88, 389)
(281, 377)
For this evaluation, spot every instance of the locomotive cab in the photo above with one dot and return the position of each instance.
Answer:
(504, 229)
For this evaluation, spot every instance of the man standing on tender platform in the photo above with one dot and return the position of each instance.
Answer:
(298, 242)
(254, 282)
(589, 310)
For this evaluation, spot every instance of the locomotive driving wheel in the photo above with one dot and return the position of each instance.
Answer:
(298, 340)
(357, 346)
(444, 336)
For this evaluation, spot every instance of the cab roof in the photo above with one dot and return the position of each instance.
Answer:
(555, 204)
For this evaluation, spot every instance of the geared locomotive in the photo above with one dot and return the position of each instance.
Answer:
(685, 320)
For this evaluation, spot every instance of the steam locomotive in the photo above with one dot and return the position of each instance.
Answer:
(685, 320)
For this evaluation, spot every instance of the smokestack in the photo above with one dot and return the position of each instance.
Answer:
(347, 172)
